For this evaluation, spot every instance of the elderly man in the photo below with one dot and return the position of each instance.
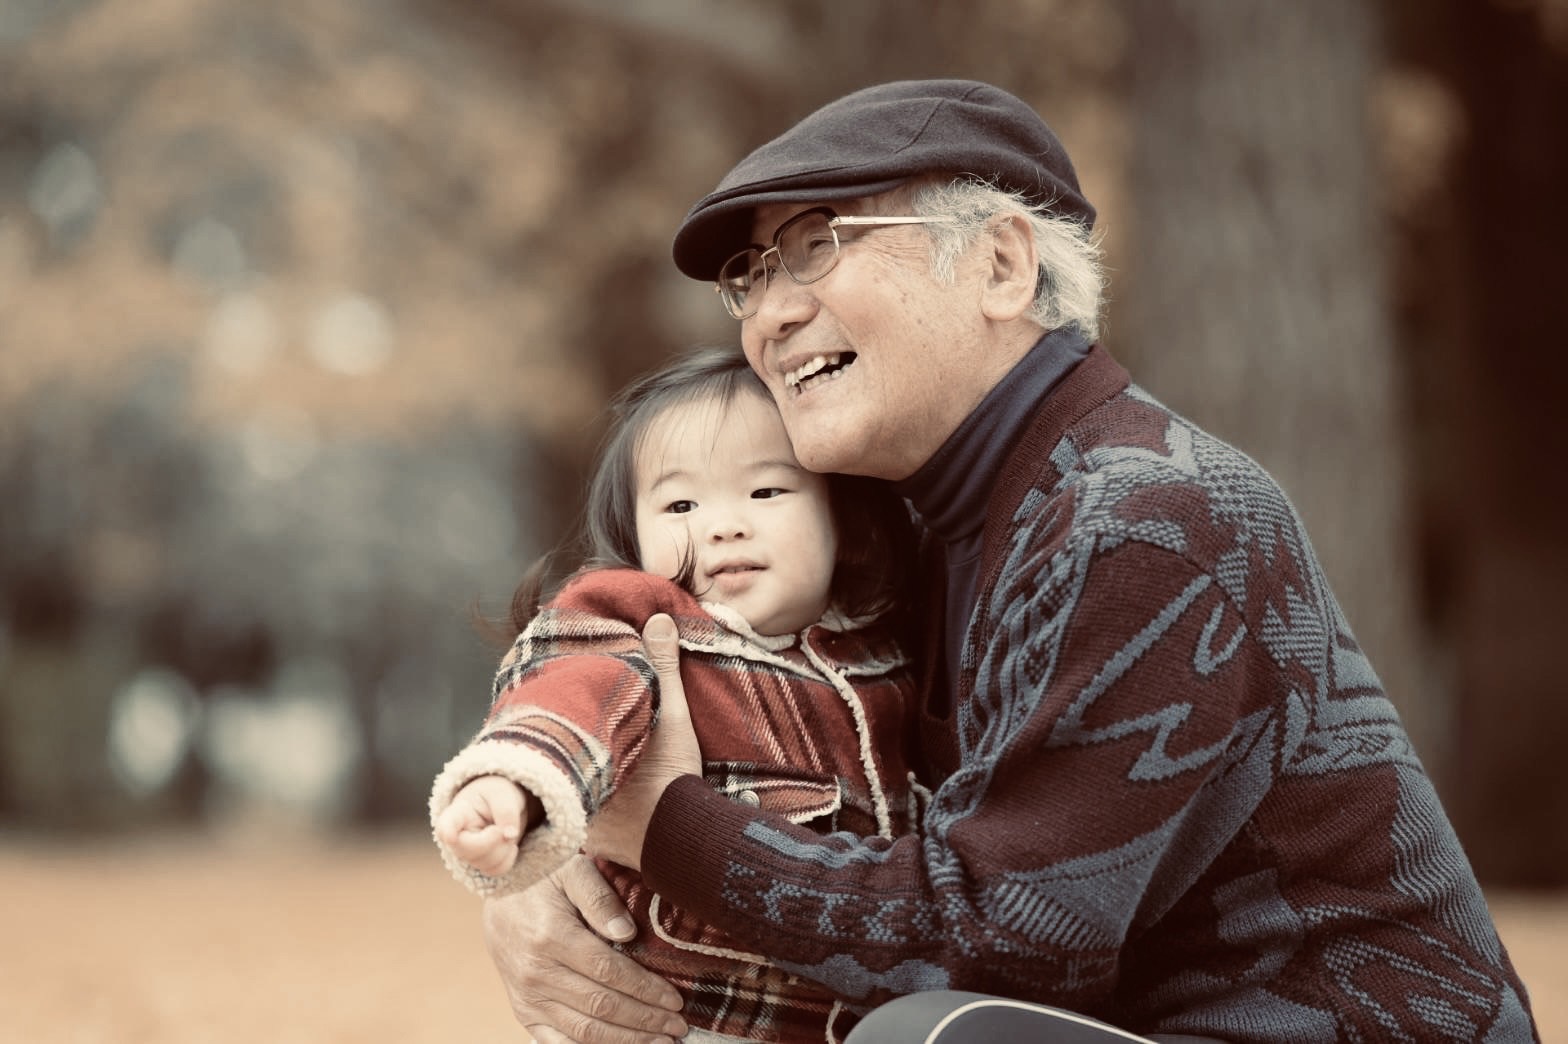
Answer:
(1169, 791)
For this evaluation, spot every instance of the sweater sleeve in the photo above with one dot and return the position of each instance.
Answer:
(1110, 742)
(574, 701)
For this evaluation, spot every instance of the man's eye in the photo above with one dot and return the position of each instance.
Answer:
(680, 507)
(818, 242)
(768, 493)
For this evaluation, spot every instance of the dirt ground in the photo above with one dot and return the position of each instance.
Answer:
(196, 941)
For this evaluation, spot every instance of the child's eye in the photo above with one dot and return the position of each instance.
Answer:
(680, 507)
(768, 493)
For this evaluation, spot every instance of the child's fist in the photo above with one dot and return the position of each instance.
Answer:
(484, 823)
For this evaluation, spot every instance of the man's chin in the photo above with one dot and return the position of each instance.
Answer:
(829, 463)
(837, 461)
(821, 450)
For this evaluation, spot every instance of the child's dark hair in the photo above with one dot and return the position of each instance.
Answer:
(876, 537)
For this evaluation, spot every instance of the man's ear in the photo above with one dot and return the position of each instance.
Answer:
(1009, 288)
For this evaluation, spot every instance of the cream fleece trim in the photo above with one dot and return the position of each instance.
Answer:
(868, 759)
(833, 1014)
(919, 801)
(833, 620)
(696, 947)
(736, 638)
(543, 848)
(737, 623)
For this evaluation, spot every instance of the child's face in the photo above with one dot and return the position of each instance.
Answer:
(723, 481)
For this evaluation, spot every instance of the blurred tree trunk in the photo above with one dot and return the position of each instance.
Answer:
(1483, 311)
(1256, 301)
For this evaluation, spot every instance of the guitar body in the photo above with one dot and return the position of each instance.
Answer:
(955, 1017)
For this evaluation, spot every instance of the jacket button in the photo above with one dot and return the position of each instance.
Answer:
(749, 797)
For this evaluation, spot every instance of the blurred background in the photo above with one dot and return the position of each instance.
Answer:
(309, 310)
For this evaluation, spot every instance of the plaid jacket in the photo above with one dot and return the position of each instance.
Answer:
(808, 726)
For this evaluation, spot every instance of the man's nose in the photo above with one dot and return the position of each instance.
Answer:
(784, 305)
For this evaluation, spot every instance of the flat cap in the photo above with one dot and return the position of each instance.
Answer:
(874, 140)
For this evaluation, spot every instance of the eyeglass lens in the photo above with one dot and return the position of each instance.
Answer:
(806, 247)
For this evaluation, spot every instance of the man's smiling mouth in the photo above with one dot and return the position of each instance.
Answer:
(821, 368)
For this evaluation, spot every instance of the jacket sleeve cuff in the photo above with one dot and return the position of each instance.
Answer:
(543, 848)
(685, 853)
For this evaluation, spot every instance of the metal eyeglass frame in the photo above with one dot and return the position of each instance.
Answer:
(834, 221)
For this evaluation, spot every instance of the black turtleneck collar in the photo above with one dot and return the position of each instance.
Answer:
(951, 489)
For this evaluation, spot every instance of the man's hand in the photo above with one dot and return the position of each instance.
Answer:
(618, 829)
(564, 982)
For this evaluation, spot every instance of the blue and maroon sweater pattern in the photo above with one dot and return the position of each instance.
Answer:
(1173, 793)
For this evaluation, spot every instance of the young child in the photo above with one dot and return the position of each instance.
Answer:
(784, 586)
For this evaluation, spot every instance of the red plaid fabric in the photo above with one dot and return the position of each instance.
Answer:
(808, 726)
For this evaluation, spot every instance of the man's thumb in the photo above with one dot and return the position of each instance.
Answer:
(660, 639)
(674, 737)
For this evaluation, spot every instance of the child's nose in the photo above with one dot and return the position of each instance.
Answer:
(730, 526)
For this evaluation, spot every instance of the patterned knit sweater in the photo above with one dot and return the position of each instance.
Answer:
(1175, 796)
(809, 727)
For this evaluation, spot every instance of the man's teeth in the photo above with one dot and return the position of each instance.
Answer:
(813, 368)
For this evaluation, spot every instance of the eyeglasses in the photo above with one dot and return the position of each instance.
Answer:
(806, 248)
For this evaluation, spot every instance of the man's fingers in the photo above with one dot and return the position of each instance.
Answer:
(599, 905)
(559, 974)
(546, 1035)
(594, 1013)
(546, 993)
(596, 901)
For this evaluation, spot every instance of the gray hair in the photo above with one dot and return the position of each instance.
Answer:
(1071, 285)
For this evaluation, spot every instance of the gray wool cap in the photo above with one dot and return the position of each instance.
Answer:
(874, 140)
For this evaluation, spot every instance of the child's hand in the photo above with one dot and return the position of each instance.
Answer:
(484, 824)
